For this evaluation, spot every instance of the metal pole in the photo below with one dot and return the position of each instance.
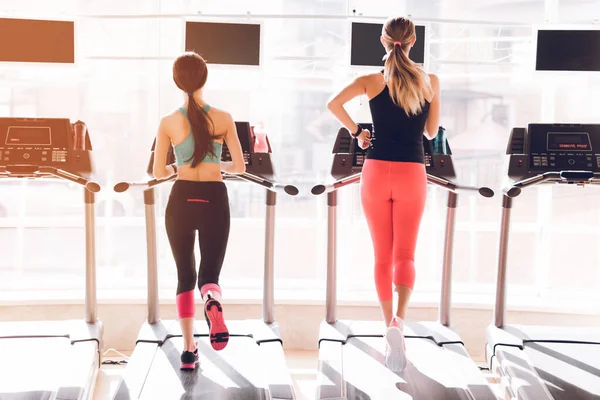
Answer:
(151, 258)
(269, 278)
(500, 308)
(91, 302)
(331, 294)
(448, 257)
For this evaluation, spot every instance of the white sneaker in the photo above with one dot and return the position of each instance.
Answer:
(395, 351)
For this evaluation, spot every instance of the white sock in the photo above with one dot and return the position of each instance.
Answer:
(400, 322)
(214, 295)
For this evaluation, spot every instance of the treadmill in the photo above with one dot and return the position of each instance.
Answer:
(252, 366)
(543, 362)
(351, 353)
(52, 359)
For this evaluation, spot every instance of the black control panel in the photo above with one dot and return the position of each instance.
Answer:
(541, 148)
(256, 163)
(45, 142)
(244, 131)
(349, 158)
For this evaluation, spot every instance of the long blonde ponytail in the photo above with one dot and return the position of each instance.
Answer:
(408, 83)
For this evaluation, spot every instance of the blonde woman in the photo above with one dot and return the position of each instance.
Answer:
(405, 103)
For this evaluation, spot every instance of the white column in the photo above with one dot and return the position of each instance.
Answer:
(551, 11)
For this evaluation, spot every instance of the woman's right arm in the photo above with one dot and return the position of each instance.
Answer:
(237, 164)
(433, 118)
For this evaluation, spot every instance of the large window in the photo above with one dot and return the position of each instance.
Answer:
(121, 85)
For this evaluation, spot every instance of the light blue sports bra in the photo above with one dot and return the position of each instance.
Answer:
(184, 151)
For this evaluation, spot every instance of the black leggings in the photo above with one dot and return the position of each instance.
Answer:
(202, 207)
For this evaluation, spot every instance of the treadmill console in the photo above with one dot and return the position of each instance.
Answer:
(256, 163)
(349, 158)
(541, 148)
(29, 143)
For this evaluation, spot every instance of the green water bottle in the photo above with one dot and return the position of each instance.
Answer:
(439, 143)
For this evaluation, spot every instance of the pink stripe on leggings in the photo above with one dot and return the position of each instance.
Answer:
(186, 306)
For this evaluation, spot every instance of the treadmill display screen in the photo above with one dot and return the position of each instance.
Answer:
(571, 141)
(29, 135)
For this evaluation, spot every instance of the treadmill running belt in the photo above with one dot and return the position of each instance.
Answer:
(233, 373)
(571, 371)
(433, 372)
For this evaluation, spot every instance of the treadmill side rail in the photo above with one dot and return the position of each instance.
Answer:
(513, 363)
(330, 380)
(281, 386)
(134, 375)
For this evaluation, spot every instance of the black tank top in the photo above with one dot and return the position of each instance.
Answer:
(396, 136)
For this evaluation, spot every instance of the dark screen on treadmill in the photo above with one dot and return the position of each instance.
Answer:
(24, 135)
(576, 141)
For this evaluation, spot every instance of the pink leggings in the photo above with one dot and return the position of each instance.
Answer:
(393, 198)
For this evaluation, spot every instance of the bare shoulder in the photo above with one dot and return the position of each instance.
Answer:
(221, 120)
(220, 116)
(435, 81)
(373, 78)
(170, 120)
(219, 113)
(373, 84)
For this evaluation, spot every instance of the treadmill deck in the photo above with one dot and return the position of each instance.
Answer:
(252, 366)
(354, 368)
(545, 362)
(55, 361)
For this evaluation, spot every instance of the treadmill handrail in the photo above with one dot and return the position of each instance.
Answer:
(456, 188)
(258, 180)
(340, 183)
(266, 183)
(124, 186)
(558, 177)
(90, 185)
(434, 180)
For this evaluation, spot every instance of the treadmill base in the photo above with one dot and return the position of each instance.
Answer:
(354, 367)
(252, 366)
(57, 360)
(537, 363)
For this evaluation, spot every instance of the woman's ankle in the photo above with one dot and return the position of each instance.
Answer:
(396, 322)
(190, 348)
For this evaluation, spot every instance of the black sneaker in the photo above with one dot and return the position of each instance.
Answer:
(189, 360)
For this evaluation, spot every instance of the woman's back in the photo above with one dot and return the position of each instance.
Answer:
(182, 139)
(396, 135)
